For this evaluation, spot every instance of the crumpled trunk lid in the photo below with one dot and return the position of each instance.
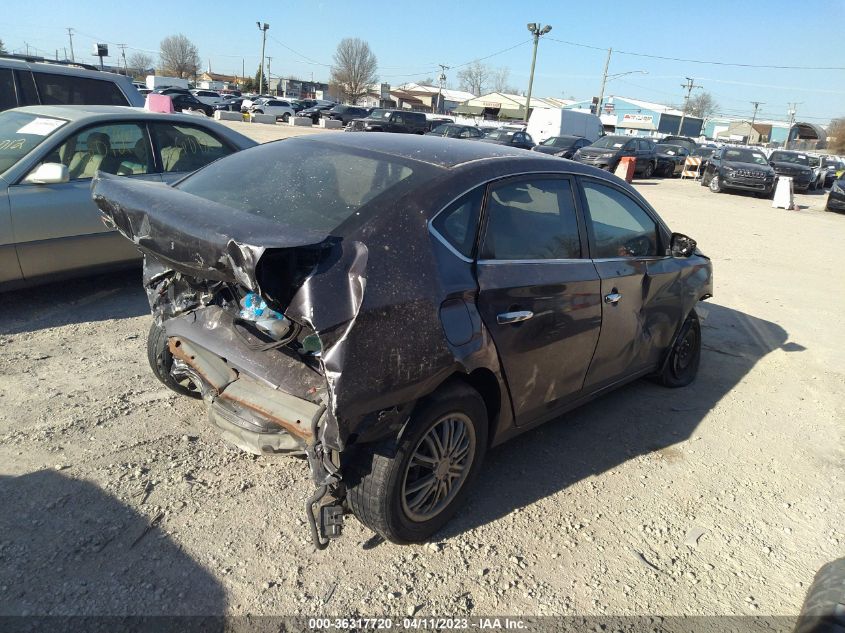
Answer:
(194, 236)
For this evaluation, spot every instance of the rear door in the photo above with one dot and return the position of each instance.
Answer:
(538, 292)
(640, 306)
(57, 227)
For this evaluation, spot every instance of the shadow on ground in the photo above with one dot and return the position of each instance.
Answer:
(68, 548)
(639, 418)
(98, 298)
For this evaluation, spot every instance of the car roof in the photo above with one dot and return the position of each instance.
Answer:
(434, 150)
(82, 112)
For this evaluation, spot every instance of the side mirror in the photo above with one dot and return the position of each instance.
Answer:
(681, 246)
(48, 174)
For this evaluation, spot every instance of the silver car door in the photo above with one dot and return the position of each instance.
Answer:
(57, 227)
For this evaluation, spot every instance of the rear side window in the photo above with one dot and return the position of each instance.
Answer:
(70, 90)
(621, 227)
(7, 90)
(532, 219)
(458, 223)
(27, 95)
(186, 148)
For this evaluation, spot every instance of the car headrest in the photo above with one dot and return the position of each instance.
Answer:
(98, 143)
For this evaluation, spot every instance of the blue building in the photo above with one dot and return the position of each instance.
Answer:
(623, 115)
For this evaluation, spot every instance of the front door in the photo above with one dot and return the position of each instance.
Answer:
(58, 227)
(640, 309)
(538, 293)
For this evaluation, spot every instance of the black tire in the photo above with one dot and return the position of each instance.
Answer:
(379, 473)
(715, 185)
(649, 170)
(258, 111)
(681, 367)
(285, 117)
(824, 606)
(161, 360)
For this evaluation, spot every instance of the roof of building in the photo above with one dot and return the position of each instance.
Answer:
(448, 93)
(209, 76)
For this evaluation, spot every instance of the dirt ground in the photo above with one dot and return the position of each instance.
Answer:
(720, 498)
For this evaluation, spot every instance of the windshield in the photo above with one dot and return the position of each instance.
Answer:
(831, 162)
(610, 142)
(703, 151)
(745, 156)
(446, 130)
(380, 114)
(559, 141)
(672, 150)
(304, 183)
(500, 135)
(20, 133)
(786, 157)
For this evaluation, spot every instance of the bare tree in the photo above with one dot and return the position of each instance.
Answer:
(701, 105)
(501, 81)
(139, 65)
(2, 47)
(836, 136)
(354, 68)
(178, 56)
(474, 78)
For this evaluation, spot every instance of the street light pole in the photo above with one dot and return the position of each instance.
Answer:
(263, 29)
(536, 30)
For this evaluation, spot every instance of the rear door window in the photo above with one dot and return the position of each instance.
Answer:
(185, 148)
(70, 90)
(620, 226)
(530, 219)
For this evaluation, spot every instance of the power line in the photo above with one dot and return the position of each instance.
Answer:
(699, 61)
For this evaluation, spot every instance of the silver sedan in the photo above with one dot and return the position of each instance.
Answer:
(49, 226)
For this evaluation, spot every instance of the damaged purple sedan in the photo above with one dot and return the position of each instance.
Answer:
(391, 306)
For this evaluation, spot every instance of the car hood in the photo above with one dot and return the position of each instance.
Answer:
(750, 166)
(550, 149)
(786, 167)
(596, 151)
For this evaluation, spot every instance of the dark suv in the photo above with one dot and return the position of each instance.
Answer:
(399, 121)
(739, 168)
(24, 83)
(796, 165)
(606, 153)
(345, 113)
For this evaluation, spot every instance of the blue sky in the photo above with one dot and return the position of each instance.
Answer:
(410, 41)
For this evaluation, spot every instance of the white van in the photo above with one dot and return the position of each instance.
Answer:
(547, 122)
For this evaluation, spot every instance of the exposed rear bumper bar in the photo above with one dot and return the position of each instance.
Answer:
(249, 413)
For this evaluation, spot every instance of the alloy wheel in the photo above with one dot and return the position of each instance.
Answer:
(438, 467)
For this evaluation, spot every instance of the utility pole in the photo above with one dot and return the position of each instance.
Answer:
(122, 48)
(27, 48)
(269, 74)
(70, 37)
(756, 105)
(536, 30)
(442, 80)
(689, 85)
(603, 82)
(263, 30)
(791, 111)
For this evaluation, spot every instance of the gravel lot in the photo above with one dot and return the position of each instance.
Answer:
(595, 513)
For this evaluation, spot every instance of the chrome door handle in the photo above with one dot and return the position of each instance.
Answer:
(613, 297)
(513, 317)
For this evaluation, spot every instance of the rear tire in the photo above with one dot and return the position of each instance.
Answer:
(649, 170)
(381, 475)
(161, 361)
(822, 611)
(681, 366)
(285, 117)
